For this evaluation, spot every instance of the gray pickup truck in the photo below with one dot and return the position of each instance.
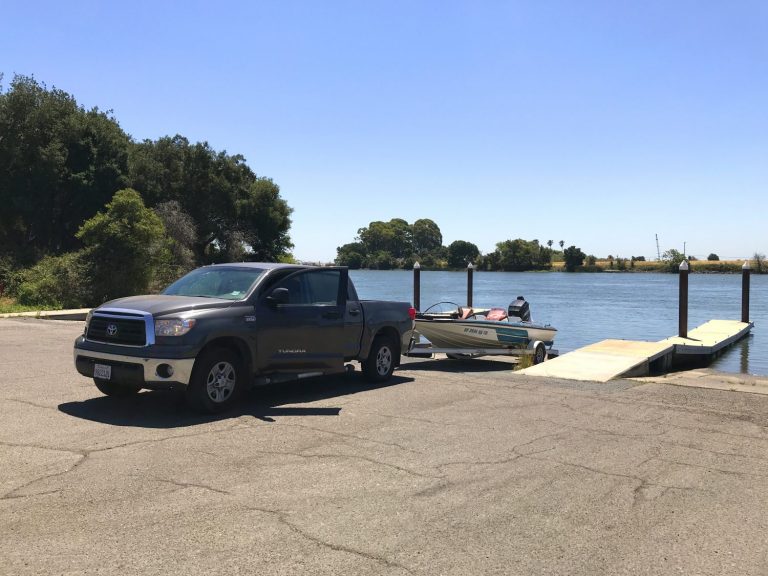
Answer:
(224, 328)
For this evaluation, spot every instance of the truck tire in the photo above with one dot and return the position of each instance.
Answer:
(117, 389)
(217, 380)
(380, 364)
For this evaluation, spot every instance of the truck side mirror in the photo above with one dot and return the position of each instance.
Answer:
(278, 296)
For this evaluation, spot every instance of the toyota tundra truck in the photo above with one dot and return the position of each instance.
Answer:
(223, 328)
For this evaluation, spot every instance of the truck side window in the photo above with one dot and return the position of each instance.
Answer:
(324, 286)
(317, 287)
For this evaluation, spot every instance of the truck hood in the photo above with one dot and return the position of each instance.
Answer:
(159, 305)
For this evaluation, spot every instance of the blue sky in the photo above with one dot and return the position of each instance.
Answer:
(597, 123)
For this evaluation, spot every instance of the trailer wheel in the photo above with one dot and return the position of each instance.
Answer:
(380, 364)
(539, 353)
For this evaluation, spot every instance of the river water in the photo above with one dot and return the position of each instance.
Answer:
(587, 308)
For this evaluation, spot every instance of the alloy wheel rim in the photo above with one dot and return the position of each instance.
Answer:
(383, 360)
(220, 382)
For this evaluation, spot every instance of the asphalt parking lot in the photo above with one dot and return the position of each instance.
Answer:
(455, 467)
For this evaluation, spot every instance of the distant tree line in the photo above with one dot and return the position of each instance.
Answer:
(398, 244)
(88, 214)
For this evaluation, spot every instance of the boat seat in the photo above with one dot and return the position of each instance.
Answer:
(497, 314)
(465, 312)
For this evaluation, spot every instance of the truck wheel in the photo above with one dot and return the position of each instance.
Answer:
(217, 379)
(380, 364)
(117, 389)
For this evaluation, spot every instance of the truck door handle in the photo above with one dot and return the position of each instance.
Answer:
(354, 311)
(332, 315)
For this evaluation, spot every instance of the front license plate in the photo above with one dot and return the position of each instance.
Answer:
(102, 371)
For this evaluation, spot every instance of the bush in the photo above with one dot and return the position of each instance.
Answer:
(55, 282)
(126, 248)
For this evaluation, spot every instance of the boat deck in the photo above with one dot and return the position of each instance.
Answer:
(611, 359)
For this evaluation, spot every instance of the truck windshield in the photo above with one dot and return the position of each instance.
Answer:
(216, 282)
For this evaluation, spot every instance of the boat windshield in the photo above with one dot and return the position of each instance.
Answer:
(216, 282)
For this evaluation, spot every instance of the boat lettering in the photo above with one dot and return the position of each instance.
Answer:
(475, 331)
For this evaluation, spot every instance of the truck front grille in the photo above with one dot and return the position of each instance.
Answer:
(116, 329)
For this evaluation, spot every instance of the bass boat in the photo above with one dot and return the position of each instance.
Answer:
(483, 328)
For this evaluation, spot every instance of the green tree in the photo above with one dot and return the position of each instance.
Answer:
(758, 262)
(376, 237)
(59, 165)
(426, 236)
(352, 255)
(181, 231)
(519, 255)
(574, 258)
(124, 247)
(236, 213)
(713, 257)
(461, 253)
(672, 259)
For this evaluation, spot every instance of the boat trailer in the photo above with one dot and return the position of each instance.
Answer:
(535, 348)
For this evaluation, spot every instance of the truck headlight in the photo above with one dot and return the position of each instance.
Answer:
(173, 327)
(87, 321)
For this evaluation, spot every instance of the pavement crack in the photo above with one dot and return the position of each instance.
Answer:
(737, 473)
(354, 437)
(15, 492)
(644, 483)
(351, 457)
(30, 403)
(184, 485)
(282, 517)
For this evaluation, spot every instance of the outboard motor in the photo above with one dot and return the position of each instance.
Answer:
(520, 309)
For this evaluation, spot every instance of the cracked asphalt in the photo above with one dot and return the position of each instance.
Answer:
(455, 467)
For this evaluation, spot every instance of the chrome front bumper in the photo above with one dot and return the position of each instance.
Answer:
(182, 368)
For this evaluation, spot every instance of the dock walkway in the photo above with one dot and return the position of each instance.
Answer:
(611, 359)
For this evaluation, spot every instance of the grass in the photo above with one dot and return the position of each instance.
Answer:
(9, 305)
(721, 266)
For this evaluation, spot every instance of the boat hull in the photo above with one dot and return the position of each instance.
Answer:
(448, 333)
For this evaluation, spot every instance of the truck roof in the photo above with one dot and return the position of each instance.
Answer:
(260, 265)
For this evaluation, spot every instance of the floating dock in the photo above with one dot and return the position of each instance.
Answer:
(611, 359)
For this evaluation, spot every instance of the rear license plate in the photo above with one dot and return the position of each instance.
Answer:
(102, 371)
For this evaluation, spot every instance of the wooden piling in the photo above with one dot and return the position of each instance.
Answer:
(470, 271)
(683, 303)
(745, 272)
(417, 286)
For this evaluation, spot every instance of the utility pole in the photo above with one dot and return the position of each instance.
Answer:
(658, 250)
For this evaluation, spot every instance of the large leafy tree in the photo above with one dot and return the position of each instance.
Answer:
(574, 258)
(519, 255)
(461, 253)
(237, 214)
(59, 165)
(426, 236)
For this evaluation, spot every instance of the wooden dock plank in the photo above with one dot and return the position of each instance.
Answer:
(611, 359)
(710, 337)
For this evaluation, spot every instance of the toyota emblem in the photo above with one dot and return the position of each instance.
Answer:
(111, 329)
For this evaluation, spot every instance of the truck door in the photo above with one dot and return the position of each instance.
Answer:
(353, 322)
(306, 333)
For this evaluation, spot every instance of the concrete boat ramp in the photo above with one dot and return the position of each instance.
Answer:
(609, 359)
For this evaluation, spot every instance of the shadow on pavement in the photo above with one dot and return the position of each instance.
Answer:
(459, 365)
(166, 409)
